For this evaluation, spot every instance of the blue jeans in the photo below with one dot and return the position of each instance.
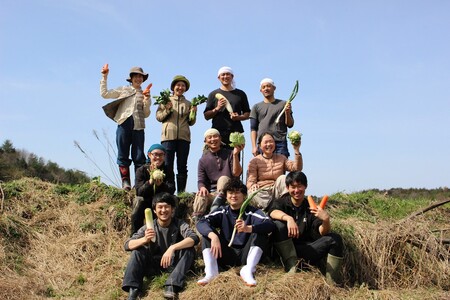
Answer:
(282, 148)
(126, 137)
(181, 149)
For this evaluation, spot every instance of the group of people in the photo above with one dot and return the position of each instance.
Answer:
(278, 216)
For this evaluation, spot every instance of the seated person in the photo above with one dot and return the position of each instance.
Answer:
(266, 170)
(147, 187)
(173, 251)
(216, 166)
(304, 232)
(249, 241)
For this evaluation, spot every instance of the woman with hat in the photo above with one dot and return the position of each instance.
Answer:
(129, 111)
(176, 134)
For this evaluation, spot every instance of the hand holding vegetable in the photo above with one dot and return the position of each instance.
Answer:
(195, 102)
(323, 202)
(105, 69)
(146, 92)
(223, 102)
(293, 94)
(149, 223)
(163, 98)
(295, 137)
(237, 139)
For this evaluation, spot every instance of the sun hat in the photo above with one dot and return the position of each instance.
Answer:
(137, 70)
(180, 78)
(266, 80)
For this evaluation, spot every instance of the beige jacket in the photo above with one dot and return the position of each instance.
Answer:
(175, 122)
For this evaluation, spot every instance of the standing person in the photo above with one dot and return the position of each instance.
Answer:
(215, 168)
(172, 252)
(223, 120)
(266, 170)
(305, 232)
(176, 134)
(129, 112)
(264, 114)
(147, 187)
(251, 238)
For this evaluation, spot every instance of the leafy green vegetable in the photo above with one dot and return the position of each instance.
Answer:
(196, 101)
(295, 137)
(237, 139)
(163, 98)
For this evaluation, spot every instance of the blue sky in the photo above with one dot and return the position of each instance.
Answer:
(373, 103)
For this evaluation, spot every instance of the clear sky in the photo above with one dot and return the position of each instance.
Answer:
(373, 103)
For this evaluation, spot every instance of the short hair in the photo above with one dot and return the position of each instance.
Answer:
(235, 184)
(264, 134)
(296, 176)
(164, 197)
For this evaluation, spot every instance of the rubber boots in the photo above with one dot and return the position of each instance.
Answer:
(333, 269)
(286, 250)
(211, 267)
(181, 183)
(125, 174)
(247, 272)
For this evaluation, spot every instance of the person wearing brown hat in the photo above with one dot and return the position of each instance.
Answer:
(176, 133)
(129, 111)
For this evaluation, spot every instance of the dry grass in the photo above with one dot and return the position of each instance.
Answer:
(54, 245)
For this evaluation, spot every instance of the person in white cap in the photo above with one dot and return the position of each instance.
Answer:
(215, 168)
(264, 114)
(223, 120)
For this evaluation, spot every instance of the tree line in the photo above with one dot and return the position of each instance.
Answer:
(15, 164)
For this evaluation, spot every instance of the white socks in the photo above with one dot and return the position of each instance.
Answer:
(247, 271)
(211, 267)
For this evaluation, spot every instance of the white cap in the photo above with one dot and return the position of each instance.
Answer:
(211, 131)
(266, 80)
(225, 70)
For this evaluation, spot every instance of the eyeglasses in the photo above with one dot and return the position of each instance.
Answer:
(157, 154)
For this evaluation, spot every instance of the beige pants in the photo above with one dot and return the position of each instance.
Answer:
(202, 204)
(263, 198)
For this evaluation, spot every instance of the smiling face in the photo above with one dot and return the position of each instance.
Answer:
(213, 142)
(179, 88)
(267, 145)
(267, 90)
(157, 157)
(137, 80)
(163, 212)
(297, 192)
(235, 199)
(226, 79)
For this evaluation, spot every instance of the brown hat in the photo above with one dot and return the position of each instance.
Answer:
(137, 70)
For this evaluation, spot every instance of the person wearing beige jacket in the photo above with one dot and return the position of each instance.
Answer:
(176, 132)
(129, 111)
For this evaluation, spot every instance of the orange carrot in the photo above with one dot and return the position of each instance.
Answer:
(324, 201)
(311, 202)
(105, 69)
(147, 89)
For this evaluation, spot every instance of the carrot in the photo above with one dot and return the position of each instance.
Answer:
(323, 202)
(147, 89)
(105, 69)
(311, 202)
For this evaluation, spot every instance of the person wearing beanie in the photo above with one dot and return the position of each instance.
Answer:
(148, 187)
(215, 109)
(176, 133)
(263, 116)
(129, 111)
(215, 168)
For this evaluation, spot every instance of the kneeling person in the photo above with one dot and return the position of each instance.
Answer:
(173, 251)
(304, 232)
(248, 244)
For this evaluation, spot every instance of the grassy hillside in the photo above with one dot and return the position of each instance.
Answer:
(66, 242)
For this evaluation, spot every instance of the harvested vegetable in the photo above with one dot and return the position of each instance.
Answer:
(147, 89)
(293, 94)
(227, 105)
(295, 137)
(311, 202)
(242, 211)
(149, 221)
(157, 174)
(237, 139)
(323, 202)
(195, 102)
(163, 98)
(105, 69)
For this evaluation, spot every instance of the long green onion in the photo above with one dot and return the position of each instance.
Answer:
(293, 94)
